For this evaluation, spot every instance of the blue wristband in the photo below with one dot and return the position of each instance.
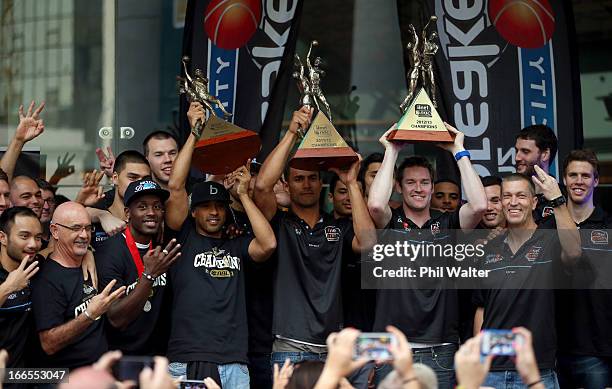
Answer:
(462, 154)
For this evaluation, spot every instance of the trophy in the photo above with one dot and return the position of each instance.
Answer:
(420, 121)
(322, 147)
(222, 147)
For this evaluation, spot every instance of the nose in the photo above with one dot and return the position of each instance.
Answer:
(418, 187)
(32, 244)
(3, 201)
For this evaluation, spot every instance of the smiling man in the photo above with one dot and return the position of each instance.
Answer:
(26, 193)
(160, 149)
(494, 215)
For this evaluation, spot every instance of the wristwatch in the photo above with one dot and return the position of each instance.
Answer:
(557, 202)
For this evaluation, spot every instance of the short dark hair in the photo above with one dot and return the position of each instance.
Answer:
(333, 182)
(60, 199)
(365, 164)
(414, 161)
(7, 219)
(288, 170)
(543, 136)
(585, 155)
(520, 177)
(158, 134)
(3, 176)
(490, 181)
(128, 156)
(44, 185)
(447, 179)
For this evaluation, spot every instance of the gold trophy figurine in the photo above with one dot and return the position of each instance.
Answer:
(420, 121)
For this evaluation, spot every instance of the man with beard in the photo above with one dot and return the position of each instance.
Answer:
(66, 308)
(48, 207)
(446, 196)
(130, 259)
(26, 193)
(160, 150)
(584, 316)
(307, 294)
(5, 192)
(209, 327)
(428, 317)
(20, 237)
(536, 145)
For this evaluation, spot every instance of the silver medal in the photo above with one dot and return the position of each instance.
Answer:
(147, 306)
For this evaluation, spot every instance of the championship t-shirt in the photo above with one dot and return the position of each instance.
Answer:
(59, 295)
(209, 322)
(424, 315)
(307, 293)
(114, 262)
(519, 292)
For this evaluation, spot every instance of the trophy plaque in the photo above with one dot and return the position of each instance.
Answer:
(322, 147)
(222, 147)
(420, 121)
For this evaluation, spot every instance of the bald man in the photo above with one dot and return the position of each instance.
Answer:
(67, 308)
(26, 193)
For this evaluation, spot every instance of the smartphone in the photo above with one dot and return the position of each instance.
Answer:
(375, 346)
(499, 342)
(129, 367)
(192, 384)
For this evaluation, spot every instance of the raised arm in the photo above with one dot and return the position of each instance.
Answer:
(177, 205)
(272, 168)
(382, 186)
(30, 126)
(471, 212)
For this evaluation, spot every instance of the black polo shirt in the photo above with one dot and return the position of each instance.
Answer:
(209, 322)
(59, 295)
(584, 316)
(424, 315)
(114, 262)
(519, 292)
(307, 294)
(15, 323)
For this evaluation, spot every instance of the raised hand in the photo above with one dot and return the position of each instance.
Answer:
(525, 362)
(159, 378)
(386, 143)
(242, 178)
(91, 192)
(470, 369)
(30, 124)
(548, 186)
(196, 112)
(457, 144)
(64, 168)
(301, 120)
(157, 261)
(107, 162)
(101, 302)
(402, 354)
(341, 346)
(349, 176)
(19, 278)
(282, 375)
(112, 225)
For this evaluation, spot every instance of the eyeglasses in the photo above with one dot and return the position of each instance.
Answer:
(78, 228)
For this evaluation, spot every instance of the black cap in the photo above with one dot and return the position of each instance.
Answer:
(146, 186)
(209, 191)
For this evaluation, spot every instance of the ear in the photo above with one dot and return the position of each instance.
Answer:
(564, 183)
(286, 186)
(535, 202)
(193, 213)
(330, 196)
(126, 211)
(54, 231)
(545, 156)
(115, 178)
(398, 187)
(3, 238)
(595, 182)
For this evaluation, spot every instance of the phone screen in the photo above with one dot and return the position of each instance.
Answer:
(129, 367)
(499, 342)
(374, 346)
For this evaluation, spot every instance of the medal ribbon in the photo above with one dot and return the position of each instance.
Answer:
(131, 243)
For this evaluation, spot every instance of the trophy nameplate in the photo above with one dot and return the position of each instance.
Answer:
(421, 123)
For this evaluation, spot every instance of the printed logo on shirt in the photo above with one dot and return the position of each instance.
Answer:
(435, 228)
(599, 237)
(88, 293)
(159, 281)
(217, 263)
(298, 231)
(547, 211)
(533, 253)
(332, 233)
(493, 258)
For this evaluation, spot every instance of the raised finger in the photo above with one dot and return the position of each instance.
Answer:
(39, 110)
(536, 181)
(32, 267)
(71, 157)
(101, 155)
(21, 115)
(110, 152)
(117, 293)
(109, 287)
(24, 262)
(30, 108)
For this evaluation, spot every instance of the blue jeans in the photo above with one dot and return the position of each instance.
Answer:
(441, 359)
(233, 375)
(509, 379)
(580, 371)
(295, 357)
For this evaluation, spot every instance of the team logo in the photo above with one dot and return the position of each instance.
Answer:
(88, 289)
(332, 234)
(493, 258)
(422, 110)
(435, 228)
(524, 23)
(547, 211)
(599, 237)
(533, 253)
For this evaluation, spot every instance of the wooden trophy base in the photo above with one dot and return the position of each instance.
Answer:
(322, 148)
(224, 147)
(421, 123)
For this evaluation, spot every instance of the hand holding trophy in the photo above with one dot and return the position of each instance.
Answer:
(222, 146)
(420, 121)
(322, 147)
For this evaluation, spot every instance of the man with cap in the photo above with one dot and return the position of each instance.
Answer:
(130, 259)
(209, 335)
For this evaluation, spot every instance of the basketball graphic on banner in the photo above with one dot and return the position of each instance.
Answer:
(524, 23)
(230, 24)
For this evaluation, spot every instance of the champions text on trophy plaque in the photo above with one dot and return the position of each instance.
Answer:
(222, 147)
(322, 146)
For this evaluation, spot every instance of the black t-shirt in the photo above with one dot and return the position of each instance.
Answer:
(307, 286)
(424, 315)
(99, 235)
(519, 292)
(59, 295)
(584, 317)
(359, 304)
(114, 262)
(259, 284)
(209, 322)
(15, 323)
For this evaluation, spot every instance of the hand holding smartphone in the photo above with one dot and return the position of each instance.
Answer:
(499, 342)
(374, 346)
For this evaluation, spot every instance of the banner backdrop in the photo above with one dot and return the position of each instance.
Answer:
(246, 48)
(502, 66)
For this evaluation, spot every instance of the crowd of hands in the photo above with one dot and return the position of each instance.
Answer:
(471, 367)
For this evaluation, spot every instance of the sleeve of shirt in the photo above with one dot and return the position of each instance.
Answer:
(349, 233)
(49, 303)
(478, 298)
(110, 266)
